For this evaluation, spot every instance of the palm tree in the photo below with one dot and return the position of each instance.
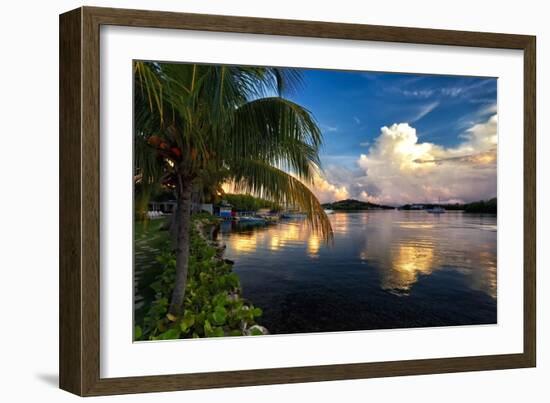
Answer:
(194, 119)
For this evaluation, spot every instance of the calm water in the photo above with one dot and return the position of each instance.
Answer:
(385, 269)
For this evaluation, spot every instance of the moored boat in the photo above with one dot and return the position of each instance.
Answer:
(436, 210)
(293, 215)
(250, 219)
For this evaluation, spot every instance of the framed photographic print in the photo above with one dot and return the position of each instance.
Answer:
(249, 201)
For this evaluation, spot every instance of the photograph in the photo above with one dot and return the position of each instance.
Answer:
(282, 200)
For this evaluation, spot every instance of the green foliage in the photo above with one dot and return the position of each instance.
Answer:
(482, 206)
(171, 333)
(255, 332)
(217, 123)
(212, 307)
(137, 332)
(351, 204)
(478, 207)
(245, 202)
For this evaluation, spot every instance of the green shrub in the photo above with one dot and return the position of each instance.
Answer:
(212, 307)
(244, 202)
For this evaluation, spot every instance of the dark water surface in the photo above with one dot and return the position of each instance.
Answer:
(385, 269)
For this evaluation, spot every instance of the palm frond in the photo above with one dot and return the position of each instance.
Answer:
(230, 117)
(148, 173)
(265, 181)
(278, 131)
(150, 86)
(287, 80)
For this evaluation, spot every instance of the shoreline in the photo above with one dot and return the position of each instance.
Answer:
(205, 230)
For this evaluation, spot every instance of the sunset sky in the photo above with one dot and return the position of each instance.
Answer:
(403, 138)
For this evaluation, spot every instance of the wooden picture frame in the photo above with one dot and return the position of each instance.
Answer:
(79, 201)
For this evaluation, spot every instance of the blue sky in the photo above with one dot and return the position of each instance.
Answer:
(430, 117)
(351, 107)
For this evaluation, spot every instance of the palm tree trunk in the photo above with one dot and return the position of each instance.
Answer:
(183, 217)
(173, 227)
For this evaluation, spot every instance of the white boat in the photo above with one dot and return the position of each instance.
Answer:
(436, 210)
(329, 211)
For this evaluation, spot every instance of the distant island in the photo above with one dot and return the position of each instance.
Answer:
(481, 206)
(352, 204)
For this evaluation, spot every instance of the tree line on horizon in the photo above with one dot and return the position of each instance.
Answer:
(488, 206)
(482, 206)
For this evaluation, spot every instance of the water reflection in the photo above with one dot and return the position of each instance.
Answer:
(246, 243)
(407, 263)
(397, 268)
(249, 238)
(405, 249)
(313, 245)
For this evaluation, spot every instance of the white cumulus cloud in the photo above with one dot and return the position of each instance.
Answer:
(406, 170)
(327, 191)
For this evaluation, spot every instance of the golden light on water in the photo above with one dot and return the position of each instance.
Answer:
(282, 235)
(340, 222)
(416, 225)
(408, 262)
(273, 238)
(486, 280)
(275, 242)
(276, 238)
(402, 251)
(244, 244)
(313, 246)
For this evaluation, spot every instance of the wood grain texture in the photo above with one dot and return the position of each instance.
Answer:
(80, 196)
(70, 271)
(315, 29)
(90, 201)
(530, 202)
